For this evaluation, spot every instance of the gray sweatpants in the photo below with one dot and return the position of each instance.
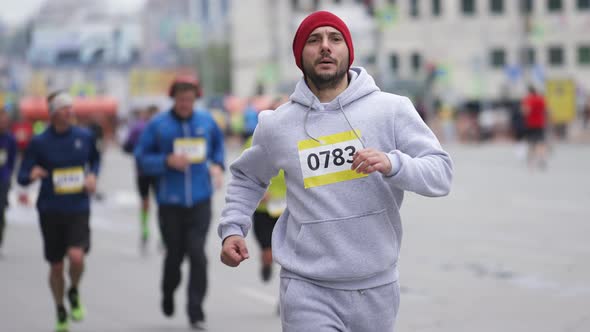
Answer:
(308, 307)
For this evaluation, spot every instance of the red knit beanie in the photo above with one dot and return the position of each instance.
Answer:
(313, 21)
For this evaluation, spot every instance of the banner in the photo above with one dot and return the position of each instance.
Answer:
(188, 35)
(150, 82)
(83, 90)
(387, 16)
(560, 95)
(37, 85)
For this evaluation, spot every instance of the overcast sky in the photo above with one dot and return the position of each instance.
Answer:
(16, 11)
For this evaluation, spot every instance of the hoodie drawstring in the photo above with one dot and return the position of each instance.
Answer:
(345, 117)
(305, 124)
(350, 125)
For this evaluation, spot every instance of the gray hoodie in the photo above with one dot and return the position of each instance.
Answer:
(340, 229)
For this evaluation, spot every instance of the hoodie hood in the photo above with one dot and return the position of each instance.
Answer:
(360, 85)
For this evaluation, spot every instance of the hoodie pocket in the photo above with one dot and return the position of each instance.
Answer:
(351, 248)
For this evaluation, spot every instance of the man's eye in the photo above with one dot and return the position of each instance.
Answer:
(312, 40)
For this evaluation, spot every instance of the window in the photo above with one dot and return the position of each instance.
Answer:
(496, 7)
(468, 7)
(584, 55)
(205, 10)
(436, 8)
(554, 5)
(69, 57)
(414, 10)
(583, 4)
(416, 62)
(295, 4)
(498, 58)
(224, 7)
(526, 6)
(528, 56)
(394, 62)
(556, 56)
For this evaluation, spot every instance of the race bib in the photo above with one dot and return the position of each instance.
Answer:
(3, 157)
(194, 149)
(68, 180)
(329, 160)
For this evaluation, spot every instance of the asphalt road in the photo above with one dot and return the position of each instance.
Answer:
(508, 250)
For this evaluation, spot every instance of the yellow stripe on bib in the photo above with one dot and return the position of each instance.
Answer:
(330, 139)
(321, 180)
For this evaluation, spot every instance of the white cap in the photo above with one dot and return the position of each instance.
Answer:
(61, 100)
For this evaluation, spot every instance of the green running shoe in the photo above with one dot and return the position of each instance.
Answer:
(77, 309)
(62, 326)
(78, 313)
(62, 320)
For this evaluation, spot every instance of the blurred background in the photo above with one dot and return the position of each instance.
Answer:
(465, 63)
(507, 250)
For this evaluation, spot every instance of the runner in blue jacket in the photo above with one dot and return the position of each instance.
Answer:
(184, 149)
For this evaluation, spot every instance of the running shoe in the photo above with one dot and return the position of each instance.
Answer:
(62, 320)
(76, 307)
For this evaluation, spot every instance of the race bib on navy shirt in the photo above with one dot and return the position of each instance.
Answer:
(68, 180)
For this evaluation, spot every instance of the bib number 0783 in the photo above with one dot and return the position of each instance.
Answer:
(327, 159)
(335, 156)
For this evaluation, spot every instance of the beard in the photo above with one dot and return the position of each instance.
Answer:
(325, 80)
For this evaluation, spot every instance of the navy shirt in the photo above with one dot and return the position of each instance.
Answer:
(7, 157)
(67, 157)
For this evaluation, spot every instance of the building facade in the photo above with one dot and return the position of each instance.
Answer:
(469, 49)
(489, 49)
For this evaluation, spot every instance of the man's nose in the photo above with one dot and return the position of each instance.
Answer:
(325, 44)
